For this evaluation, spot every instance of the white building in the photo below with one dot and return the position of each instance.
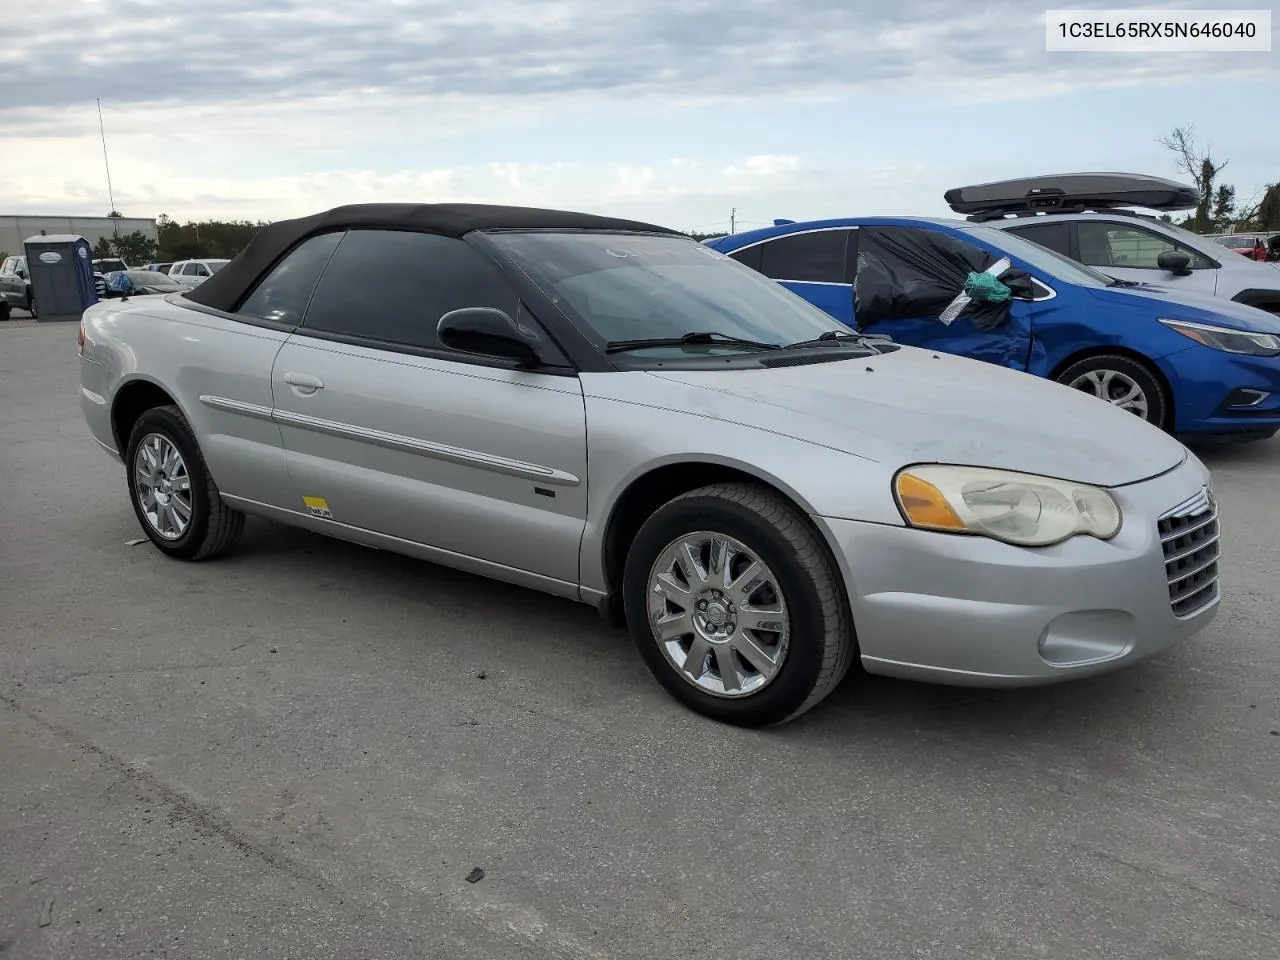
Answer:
(15, 229)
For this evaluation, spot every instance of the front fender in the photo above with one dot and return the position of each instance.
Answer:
(629, 442)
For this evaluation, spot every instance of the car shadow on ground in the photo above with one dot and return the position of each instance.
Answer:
(1230, 454)
(1072, 711)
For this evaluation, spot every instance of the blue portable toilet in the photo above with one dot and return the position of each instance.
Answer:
(61, 271)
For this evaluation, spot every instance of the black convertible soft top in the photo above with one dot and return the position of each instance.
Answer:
(225, 288)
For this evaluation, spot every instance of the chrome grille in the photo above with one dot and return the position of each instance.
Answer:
(1189, 535)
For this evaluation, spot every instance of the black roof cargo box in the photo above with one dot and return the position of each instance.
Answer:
(1072, 191)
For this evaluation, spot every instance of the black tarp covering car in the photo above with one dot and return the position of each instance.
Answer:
(907, 274)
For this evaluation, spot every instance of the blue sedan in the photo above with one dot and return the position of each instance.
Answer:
(1196, 366)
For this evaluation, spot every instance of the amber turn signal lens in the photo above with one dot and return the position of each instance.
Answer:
(924, 504)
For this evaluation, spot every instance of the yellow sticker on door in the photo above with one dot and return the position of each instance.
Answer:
(318, 506)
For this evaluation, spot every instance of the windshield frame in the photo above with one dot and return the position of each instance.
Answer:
(505, 247)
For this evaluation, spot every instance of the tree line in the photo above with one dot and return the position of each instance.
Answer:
(193, 240)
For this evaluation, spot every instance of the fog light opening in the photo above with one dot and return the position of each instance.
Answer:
(1247, 397)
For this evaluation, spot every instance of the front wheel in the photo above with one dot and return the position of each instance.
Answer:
(174, 497)
(736, 605)
(1123, 382)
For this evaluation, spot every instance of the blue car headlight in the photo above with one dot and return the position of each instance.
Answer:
(1226, 339)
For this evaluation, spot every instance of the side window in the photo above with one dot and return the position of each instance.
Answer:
(817, 256)
(1056, 235)
(200, 270)
(284, 293)
(1105, 244)
(418, 277)
(749, 256)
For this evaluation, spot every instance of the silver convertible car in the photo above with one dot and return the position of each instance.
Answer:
(610, 412)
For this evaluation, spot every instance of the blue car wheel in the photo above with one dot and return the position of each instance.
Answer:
(1122, 381)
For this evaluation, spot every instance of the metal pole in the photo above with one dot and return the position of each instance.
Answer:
(733, 218)
(115, 221)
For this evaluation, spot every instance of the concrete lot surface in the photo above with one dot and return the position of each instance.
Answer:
(302, 750)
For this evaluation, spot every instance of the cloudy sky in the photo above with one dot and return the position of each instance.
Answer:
(675, 111)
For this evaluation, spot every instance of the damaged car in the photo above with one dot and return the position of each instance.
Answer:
(1197, 366)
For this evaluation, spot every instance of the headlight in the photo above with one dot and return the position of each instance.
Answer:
(1018, 508)
(1226, 339)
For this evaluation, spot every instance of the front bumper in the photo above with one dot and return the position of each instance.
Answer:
(972, 611)
(1223, 394)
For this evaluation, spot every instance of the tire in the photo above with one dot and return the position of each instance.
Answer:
(819, 644)
(1112, 376)
(212, 527)
(4, 310)
(32, 308)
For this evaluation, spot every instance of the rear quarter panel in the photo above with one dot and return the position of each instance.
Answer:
(191, 354)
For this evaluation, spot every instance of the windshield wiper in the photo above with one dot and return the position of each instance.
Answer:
(617, 346)
(834, 336)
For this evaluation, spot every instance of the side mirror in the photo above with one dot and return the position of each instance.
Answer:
(20, 273)
(1175, 261)
(489, 332)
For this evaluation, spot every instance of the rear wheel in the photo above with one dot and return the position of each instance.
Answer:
(736, 605)
(1123, 382)
(32, 308)
(173, 496)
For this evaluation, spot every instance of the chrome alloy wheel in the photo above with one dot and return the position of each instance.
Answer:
(718, 613)
(163, 486)
(1118, 389)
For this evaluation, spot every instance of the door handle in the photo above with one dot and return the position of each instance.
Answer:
(304, 382)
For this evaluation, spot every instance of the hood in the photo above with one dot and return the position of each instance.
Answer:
(914, 406)
(1202, 308)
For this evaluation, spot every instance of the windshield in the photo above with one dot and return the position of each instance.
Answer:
(105, 266)
(1042, 258)
(626, 287)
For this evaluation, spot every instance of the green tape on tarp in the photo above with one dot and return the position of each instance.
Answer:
(985, 288)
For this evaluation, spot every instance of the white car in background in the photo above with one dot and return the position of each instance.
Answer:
(1086, 216)
(192, 273)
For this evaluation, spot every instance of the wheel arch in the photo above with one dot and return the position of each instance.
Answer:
(655, 485)
(1109, 350)
(131, 400)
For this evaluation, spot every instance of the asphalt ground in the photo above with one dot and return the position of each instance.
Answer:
(303, 749)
